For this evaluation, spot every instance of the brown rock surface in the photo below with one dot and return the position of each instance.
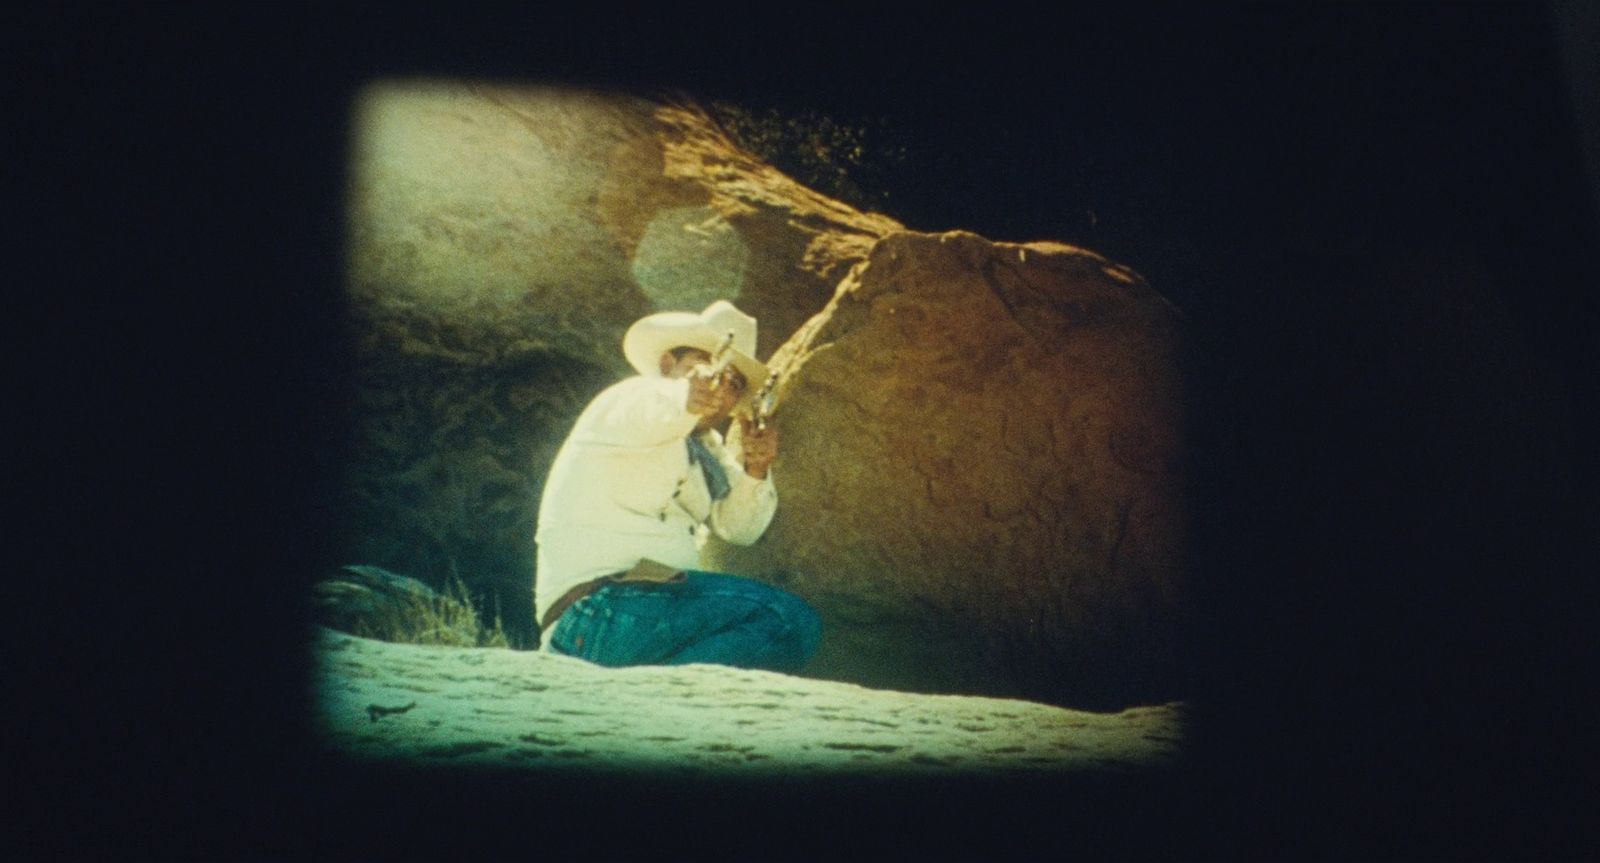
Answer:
(981, 474)
(501, 239)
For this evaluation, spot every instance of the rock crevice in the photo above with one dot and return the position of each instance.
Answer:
(501, 240)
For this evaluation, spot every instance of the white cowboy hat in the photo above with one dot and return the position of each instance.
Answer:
(653, 335)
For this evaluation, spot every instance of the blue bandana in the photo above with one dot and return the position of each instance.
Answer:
(716, 477)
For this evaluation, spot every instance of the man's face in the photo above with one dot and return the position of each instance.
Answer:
(729, 391)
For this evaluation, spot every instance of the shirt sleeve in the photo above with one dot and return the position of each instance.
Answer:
(642, 412)
(743, 516)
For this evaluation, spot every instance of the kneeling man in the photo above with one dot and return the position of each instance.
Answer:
(632, 496)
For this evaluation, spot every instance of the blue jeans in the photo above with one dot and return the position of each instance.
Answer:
(706, 617)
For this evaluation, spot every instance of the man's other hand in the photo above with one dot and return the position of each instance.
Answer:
(704, 399)
(712, 395)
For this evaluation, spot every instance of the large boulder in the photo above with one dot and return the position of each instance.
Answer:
(981, 474)
(501, 239)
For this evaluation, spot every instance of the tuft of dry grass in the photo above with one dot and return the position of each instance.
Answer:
(449, 619)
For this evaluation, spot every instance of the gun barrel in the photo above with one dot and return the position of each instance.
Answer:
(720, 358)
(765, 400)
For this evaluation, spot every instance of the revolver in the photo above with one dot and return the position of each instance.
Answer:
(760, 406)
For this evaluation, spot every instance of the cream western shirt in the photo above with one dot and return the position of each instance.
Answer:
(622, 489)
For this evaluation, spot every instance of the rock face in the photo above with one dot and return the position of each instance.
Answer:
(501, 239)
(981, 469)
(542, 711)
(981, 474)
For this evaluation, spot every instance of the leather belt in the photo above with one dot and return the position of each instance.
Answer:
(646, 570)
(571, 596)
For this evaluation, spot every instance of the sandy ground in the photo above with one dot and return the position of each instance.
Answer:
(548, 712)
